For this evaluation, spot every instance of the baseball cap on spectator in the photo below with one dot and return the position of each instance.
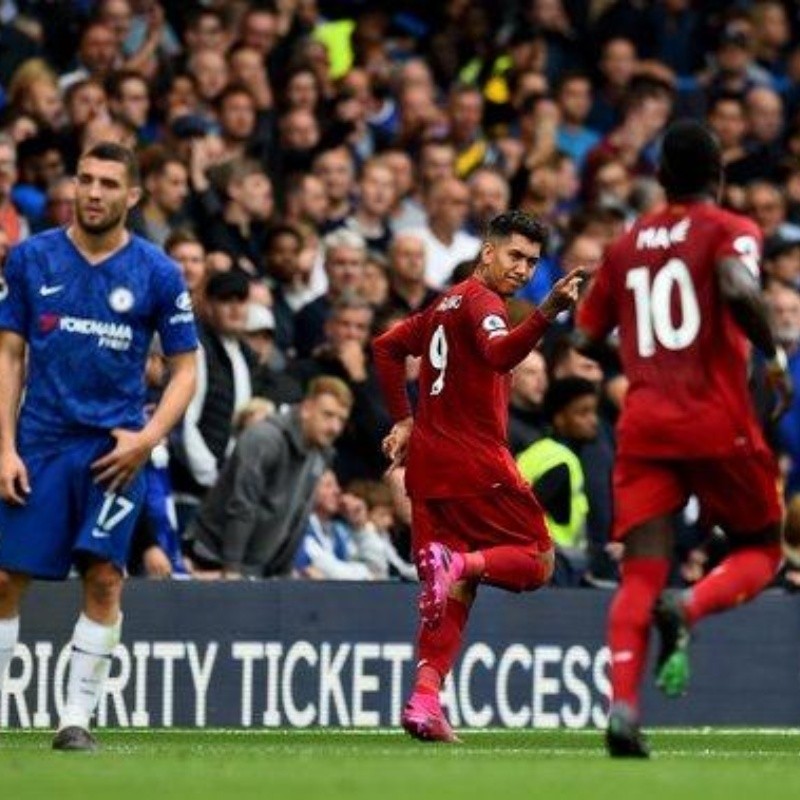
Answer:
(259, 319)
(778, 245)
(733, 35)
(188, 126)
(231, 285)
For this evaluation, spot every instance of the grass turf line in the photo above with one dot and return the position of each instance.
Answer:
(381, 765)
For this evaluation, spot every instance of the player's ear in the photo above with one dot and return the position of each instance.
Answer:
(487, 252)
(134, 196)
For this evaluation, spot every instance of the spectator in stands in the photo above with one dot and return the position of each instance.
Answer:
(344, 353)
(224, 366)
(210, 71)
(407, 212)
(59, 209)
(16, 227)
(766, 203)
(253, 520)
(33, 90)
(646, 110)
(553, 467)
(573, 94)
(166, 187)
(328, 550)
(248, 204)
(129, 100)
(186, 248)
(239, 126)
(782, 259)
(375, 285)
(437, 163)
(465, 116)
(376, 538)
(345, 255)
(489, 195)
(40, 162)
(526, 419)
(446, 243)
(618, 63)
(306, 202)
(408, 290)
(336, 169)
(734, 68)
(773, 33)
(98, 54)
(376, 198)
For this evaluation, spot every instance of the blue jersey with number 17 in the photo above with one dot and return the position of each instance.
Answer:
(88, 329)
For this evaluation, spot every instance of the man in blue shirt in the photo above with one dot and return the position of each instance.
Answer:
(78, 308)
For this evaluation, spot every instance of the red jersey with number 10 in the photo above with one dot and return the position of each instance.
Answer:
(458, 445)
(681, 349)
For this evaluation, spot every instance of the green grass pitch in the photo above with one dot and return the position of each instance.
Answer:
(381, 765)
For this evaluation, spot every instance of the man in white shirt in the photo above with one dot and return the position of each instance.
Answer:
(446, 243)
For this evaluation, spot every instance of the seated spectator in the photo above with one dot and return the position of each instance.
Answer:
(155, 550)
(270, 381)
(59, 209)
(375, 285)
(165, 180)
(446, 243)
(241, 228)
(337, 170)
(553, 467)
(14, 225)
(408, 290)
(489, 195)
(345, 354)
(345, 255)
(371, 218)
(375, 539)
(184, 247)
(328, 550)
(253, 520)
(526, 420)
(224, 384)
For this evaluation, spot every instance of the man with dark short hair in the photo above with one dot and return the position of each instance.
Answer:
(682, 288)
(78, 309)
(475, 519)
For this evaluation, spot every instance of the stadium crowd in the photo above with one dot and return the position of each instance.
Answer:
(321, 170)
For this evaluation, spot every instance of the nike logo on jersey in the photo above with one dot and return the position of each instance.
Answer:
(46, 291)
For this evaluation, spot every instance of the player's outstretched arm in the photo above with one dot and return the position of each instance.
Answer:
(14, 484)
(742, 293)
(133, 448)
(505, 352)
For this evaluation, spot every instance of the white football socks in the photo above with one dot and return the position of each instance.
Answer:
(89, 665)
(9, 633)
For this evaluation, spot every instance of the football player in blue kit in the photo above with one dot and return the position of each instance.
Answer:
(78, 308)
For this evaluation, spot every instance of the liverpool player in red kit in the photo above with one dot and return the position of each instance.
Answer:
(682, 287)
(475, 518)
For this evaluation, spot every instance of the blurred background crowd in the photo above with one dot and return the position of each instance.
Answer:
(319, 170)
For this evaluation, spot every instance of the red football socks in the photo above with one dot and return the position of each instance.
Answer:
(739, 578)
(438, 648)
(643, 579)
(515, 568)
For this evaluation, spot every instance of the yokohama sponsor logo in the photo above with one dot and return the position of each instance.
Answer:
(112, 335)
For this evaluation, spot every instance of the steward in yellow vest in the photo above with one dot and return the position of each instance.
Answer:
(552, 466)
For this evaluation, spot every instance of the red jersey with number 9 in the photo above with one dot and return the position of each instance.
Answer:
(458, 446)
(685, 357)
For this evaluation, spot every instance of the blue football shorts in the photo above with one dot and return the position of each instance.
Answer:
(67, 515)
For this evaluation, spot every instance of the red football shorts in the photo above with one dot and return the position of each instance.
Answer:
(507, 515)
(741, 494)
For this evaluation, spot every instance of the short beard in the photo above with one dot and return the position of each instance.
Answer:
(98, 228)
